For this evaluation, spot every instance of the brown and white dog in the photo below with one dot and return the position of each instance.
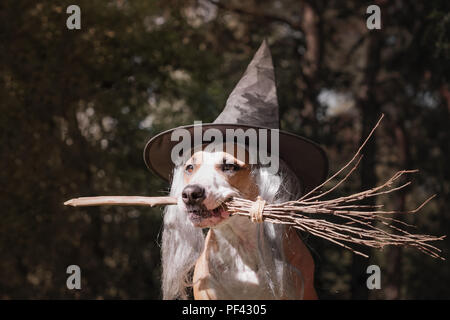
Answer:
(238, 259)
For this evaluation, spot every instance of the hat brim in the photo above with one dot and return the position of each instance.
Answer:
(304, 157)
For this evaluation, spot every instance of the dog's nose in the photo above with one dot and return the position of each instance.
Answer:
(193, 194)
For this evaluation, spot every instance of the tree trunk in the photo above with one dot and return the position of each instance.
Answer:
(394, 264)
(370, 112)
(311, 25)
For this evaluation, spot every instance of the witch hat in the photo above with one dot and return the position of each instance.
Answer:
(252, 104)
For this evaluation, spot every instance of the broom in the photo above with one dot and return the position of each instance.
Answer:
(311, 213)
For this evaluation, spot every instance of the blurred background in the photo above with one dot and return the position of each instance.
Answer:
(77, 107)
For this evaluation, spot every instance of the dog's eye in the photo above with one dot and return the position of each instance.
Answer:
(189, 168)
(230, 167)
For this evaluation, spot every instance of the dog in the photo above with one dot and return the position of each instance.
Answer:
(237, 259)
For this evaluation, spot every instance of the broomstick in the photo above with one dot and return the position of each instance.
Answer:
(310, 213)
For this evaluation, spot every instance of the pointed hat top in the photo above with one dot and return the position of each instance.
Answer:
(252, 104)
(254, 99)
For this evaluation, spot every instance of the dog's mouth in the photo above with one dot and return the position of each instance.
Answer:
(202, 217)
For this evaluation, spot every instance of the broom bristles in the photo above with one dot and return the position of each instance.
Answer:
(359, 221)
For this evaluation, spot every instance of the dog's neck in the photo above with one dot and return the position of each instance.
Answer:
(229, 267)
(237, 242)
(238, 232)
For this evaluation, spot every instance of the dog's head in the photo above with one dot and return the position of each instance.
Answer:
(213, 177)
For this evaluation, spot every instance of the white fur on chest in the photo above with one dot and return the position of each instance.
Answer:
(235, 271)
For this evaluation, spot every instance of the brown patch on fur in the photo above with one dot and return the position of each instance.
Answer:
(298, 255)
(243, 181)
